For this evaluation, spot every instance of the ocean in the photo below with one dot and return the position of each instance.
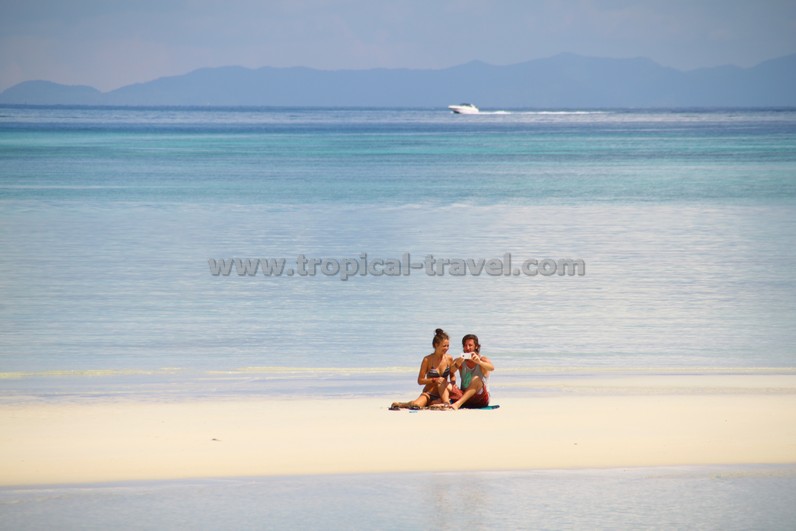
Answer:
(570, 242)
(718, 497)
(684, 223)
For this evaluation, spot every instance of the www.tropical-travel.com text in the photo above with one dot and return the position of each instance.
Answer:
(363, 265)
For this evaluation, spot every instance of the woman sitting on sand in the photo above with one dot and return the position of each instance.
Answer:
(435, 371)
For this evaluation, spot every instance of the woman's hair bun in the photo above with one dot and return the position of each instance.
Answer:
(439, 337)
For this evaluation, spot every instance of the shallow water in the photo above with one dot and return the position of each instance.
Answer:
(718, 497)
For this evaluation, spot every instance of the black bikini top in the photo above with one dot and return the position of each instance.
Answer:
(434, 373)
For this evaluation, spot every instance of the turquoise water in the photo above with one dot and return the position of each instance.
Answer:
(685, 221)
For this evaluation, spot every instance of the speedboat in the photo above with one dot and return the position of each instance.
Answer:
(464, 108)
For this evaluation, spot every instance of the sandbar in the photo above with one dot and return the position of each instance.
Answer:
(598, 423)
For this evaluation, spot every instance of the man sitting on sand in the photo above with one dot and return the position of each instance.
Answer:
(474, 374)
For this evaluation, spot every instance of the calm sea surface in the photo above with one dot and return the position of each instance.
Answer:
(685, 221)
(724, 498)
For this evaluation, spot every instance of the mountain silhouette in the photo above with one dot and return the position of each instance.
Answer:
(562, 81)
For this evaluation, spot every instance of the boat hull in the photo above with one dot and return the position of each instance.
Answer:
(463, 109)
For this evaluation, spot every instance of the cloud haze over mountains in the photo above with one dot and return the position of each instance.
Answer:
(565, 80)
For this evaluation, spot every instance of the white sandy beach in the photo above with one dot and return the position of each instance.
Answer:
(587, 423)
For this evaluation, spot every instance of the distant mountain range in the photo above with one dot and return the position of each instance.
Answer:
(562, 81)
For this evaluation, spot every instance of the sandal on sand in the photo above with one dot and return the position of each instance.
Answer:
(395, 407)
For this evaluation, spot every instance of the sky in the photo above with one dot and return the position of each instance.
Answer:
(110, 43)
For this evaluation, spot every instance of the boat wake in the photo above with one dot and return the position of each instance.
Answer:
(543, 113)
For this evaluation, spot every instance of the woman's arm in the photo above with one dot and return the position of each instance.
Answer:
(421, 376)
(452, 366)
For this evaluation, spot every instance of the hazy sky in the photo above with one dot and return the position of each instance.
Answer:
(110, 43)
